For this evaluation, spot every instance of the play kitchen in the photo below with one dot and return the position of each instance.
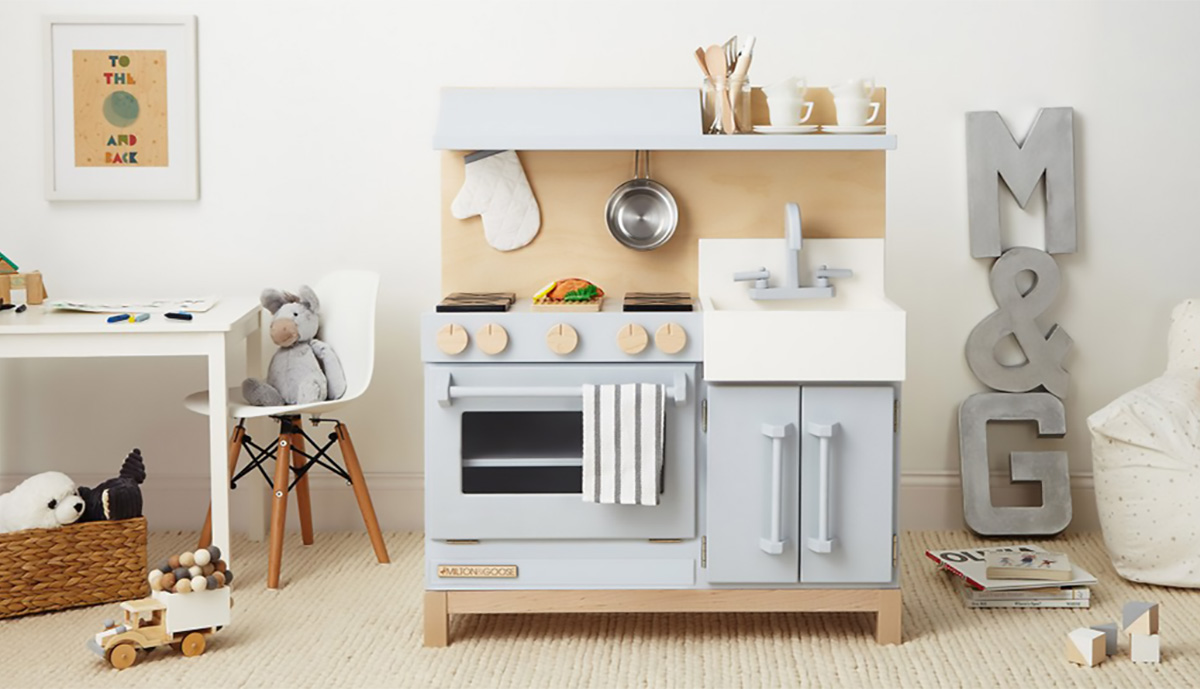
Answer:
(658, 394)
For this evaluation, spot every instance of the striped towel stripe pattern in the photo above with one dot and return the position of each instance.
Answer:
(623, 443)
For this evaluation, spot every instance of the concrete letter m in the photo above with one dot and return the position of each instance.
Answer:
(1049, 149)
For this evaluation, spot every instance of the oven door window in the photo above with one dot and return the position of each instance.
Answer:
(522, 452)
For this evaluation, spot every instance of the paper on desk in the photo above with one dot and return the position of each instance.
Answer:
(193, 304)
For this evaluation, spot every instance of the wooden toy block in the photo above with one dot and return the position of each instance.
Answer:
(1086, 647)
(7, 265)
(35, 289)
(1145, 648)
(1139, 617)
(1110, 636)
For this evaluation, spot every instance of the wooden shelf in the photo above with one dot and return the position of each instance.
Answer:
(607, 120)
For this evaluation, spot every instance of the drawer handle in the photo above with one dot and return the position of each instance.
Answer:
(773, 544)
(823, 542)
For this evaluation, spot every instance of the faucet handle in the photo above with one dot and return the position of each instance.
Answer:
(760, 274)
(827, 272)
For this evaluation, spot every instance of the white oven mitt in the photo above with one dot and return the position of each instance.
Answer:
(496, 187)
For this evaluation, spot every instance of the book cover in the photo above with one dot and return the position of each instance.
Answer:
(1045, 566)
(971, 565)
(1045, 593)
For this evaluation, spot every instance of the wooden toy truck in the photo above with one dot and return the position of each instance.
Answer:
(182, 620)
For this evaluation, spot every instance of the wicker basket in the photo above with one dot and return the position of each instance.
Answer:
(74, 565)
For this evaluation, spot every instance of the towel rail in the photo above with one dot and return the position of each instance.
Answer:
(677, 392)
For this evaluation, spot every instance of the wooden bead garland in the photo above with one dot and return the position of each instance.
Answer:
(198, 570)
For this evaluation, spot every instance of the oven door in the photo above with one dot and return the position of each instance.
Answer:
(504, 453)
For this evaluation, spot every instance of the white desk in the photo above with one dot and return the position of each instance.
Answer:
(41, 332)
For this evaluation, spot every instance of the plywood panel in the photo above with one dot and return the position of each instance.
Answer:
(720, 194)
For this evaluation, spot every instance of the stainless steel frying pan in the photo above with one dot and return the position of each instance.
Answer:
(641, 213)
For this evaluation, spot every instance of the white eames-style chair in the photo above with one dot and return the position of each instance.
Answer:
(347, 313)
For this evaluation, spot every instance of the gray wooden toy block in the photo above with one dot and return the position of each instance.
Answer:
(1017, 315)
(1049, 468)
(1140, 617)
(1048, 149)
(1110, 636)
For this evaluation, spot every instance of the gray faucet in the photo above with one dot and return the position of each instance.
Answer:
(791, 288)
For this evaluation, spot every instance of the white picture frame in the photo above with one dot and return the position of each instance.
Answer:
(84, 161)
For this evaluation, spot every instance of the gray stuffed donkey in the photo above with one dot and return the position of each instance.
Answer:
(304, 369)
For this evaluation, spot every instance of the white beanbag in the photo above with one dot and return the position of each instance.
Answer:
(1146, 460)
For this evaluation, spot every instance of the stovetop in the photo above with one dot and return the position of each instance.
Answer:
(459, 302)
(659, 301)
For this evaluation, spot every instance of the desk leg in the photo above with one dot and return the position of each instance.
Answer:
(218, 430)
(258, 490)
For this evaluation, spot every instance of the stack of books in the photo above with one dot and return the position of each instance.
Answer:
(1018, 576)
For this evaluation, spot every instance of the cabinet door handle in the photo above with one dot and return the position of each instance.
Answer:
(773, 543)
(823, 541)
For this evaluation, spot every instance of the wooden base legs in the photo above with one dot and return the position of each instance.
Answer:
(279, 492)
(235, 448)
(303, 501)
(437, 620)
(361, 493)
(887, 620)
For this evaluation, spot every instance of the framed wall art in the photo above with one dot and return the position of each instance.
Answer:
(121, 108)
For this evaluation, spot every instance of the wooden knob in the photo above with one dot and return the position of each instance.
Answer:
(632, 338)
(671, 338)
(492, 338)
(562, 339)
(452, 339)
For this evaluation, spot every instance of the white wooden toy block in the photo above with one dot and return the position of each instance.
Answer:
(1138, 617)
(1145, 648)
(1086, 647)
(1110, 636)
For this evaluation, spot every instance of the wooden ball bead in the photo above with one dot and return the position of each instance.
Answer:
(183, 586)
(174, 561)
(187, 559)
(199, 583)
(154, 574)
(156, 584)
(168, 581)
(221, 566)
(212, 582)
(195, 570)
(219, 577)
(202, 557)
(181, 573)
(214, 553)
(208, 569)
(228, 577)
(165, 567)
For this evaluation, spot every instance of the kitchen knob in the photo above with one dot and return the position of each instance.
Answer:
(671, 338)
(562, 339)
(492, 338)
(632, 339)
(452, 339)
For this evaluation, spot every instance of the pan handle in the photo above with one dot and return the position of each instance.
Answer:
(637, 165)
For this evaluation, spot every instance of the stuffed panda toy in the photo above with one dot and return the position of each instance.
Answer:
(42, 501)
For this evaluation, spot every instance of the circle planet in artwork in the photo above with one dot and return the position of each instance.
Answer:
(121, 109)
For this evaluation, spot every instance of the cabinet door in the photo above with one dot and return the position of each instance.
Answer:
(745, 490)
(853, 542)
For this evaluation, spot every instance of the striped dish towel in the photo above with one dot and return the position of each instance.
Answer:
(622, 443)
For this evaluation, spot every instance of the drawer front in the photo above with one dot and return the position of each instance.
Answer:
(742, 484)
(502, 465)
(858, 485)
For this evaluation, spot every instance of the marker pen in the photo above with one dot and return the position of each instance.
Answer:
(139, 318)
(118, 318)
(179, 316)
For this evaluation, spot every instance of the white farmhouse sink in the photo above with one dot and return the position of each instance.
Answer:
(818, 340)
(858, 335)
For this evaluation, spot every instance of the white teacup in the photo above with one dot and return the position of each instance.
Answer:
(786, 111)
(854, 88)
(852, 112)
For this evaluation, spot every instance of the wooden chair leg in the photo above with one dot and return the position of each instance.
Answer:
(303, 502)
(361, 493)
(279, 494)
(235, 449)
(887, 621)
(437, 620)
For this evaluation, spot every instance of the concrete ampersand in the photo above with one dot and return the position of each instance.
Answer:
(1017, 315)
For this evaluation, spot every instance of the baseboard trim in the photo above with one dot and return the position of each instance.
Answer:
(929, 500)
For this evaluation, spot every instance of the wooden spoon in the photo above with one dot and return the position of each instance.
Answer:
(718, 70)
(703, 64)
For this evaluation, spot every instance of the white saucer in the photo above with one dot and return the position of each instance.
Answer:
(794, 129)
(850, 129)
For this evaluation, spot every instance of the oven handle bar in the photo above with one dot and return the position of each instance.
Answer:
(447, 391)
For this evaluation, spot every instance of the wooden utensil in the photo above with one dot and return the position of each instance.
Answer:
(703, 65)
(717, 69)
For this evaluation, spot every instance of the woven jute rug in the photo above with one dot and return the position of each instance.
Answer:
(341, 620)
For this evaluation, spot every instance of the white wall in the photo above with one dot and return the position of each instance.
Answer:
(316, 120)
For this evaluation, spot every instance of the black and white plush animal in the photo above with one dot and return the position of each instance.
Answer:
(42, 501)
(117, 498)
